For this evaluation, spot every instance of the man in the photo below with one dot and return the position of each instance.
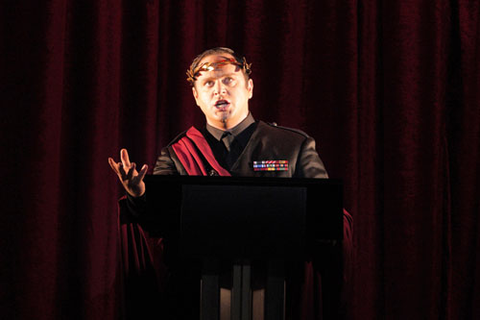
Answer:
(232, 142)
(222, 87)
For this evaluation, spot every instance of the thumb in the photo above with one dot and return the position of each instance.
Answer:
(143, 171)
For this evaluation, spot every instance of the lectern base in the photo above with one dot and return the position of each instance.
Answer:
(249, 291)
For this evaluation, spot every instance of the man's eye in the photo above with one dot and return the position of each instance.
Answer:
(209, 83)
(228, 80)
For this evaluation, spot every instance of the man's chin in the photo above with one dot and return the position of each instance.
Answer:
(223, 115)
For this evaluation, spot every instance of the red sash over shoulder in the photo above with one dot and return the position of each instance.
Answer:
(192, 149)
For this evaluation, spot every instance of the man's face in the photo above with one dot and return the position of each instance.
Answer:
(223, 93)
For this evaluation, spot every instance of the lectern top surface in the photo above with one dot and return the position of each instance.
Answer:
(241, 180)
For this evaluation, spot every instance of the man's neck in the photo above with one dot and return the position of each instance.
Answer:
(227, 124)
(242, 125)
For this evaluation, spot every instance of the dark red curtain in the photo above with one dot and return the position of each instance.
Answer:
(389, 89)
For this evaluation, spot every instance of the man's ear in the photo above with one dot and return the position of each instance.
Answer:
(250, 88)
(195, 93)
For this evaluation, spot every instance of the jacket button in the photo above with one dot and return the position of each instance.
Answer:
(212, 173)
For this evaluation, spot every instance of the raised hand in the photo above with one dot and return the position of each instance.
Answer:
(131, 179)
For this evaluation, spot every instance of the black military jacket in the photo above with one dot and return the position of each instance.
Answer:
(267, 143)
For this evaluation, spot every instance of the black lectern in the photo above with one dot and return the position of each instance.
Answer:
(244, 223)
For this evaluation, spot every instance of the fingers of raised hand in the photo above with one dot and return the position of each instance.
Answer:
(125, 158)
(122, 173)
(115, 166)
(126, 170)
(142, 172)
(131, 173)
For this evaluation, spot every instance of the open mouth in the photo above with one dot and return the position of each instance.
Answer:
(222, 104)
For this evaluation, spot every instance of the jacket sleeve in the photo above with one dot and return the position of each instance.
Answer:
(309, 164)
(166, 163)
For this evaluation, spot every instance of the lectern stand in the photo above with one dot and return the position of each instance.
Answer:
(244, 224)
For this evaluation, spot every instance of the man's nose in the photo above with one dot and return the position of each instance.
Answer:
(220, 88)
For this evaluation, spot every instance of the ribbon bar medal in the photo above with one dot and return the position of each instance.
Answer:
(270, 165)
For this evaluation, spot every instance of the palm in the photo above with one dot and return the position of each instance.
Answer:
(131, 179)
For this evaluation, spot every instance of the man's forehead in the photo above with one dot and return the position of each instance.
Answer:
(220, 71)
